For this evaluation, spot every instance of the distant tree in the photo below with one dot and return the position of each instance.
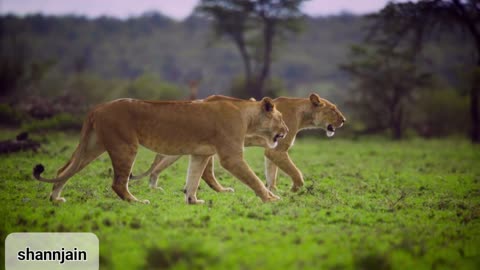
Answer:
(237, 18)
(231, 21)
(17, 70)
(408, 24)
(13, 65)
(385, 83)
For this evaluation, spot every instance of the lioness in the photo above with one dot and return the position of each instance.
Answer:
(199, 129)
(298, 114)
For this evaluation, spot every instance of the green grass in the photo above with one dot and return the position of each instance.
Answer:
(368, 204)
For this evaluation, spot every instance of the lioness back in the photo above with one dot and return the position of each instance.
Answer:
(170, 127)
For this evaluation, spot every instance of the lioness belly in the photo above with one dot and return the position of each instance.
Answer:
(166, 128)
(175, 148)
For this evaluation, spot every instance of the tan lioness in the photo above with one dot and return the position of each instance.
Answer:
(298, 114)
(199, 129)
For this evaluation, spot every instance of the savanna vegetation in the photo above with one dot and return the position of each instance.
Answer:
(367, 204)
(88, 61)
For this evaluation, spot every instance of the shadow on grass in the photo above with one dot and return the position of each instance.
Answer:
(372, 262)
(173, 256)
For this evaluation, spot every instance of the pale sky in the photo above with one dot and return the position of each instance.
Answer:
(177, 9)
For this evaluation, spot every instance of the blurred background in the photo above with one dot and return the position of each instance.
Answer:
(396, 69)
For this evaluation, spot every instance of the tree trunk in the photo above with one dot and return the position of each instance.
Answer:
(246, 63)
(471, 25)
(396, 124)
(396, 113)
(474, 99)
(240, 42)
(268, 33)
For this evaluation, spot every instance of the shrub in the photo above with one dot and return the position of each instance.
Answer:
(9, 116)
(273, 88)
(441, 112)
(150, 87)
(62, 121)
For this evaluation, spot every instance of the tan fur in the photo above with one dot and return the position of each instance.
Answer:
(298, 114)
(199, 129)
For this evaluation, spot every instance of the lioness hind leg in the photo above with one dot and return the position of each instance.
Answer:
(162, 163)
(209, 177)
(91, 153)
(271, 172)
(122, 162)
(195, 169)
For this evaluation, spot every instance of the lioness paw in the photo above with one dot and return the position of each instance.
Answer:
(196, 202)
(193, 200)
(296, 188)
(158, 188)
(58, 200)
(144, 201)
(271, 199)
(273, 195)
(227, 190)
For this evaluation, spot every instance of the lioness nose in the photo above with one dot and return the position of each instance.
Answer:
(343, 120)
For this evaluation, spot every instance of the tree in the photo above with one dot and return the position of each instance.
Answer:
(386, 81)
(13, 65)
(410, 22)
(238, 18)
(232, 21)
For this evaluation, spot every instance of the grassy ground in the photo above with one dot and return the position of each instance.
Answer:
(369, 204)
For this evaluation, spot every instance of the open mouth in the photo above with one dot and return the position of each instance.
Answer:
(330, 130)
(278, 136)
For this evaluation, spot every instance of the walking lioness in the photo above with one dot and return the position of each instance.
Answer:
(298, 114)
(199, 129)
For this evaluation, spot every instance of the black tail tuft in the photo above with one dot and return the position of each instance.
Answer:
(38, 170)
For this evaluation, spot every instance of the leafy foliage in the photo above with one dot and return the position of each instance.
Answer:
(266, 19)
(60, 121)
(386, 84)
(94, 60)
(9, 116)
(411, 22)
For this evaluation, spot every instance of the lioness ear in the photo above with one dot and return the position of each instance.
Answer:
(315, 99)
(267, 104)
(252, 99)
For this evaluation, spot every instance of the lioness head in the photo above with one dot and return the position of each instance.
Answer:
(325, 115)
(270, 123)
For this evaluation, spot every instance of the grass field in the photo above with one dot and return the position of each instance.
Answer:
(367, 204)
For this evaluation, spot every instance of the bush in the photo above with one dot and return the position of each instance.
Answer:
(150, 87)
(273, 88)
(62, 121)
(441, 112)
(89, 89)
(10, 117)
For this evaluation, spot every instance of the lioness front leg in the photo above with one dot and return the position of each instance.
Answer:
(271, 172)
(283, 161)
(209, 177)
(195, 170)
(235, 164)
